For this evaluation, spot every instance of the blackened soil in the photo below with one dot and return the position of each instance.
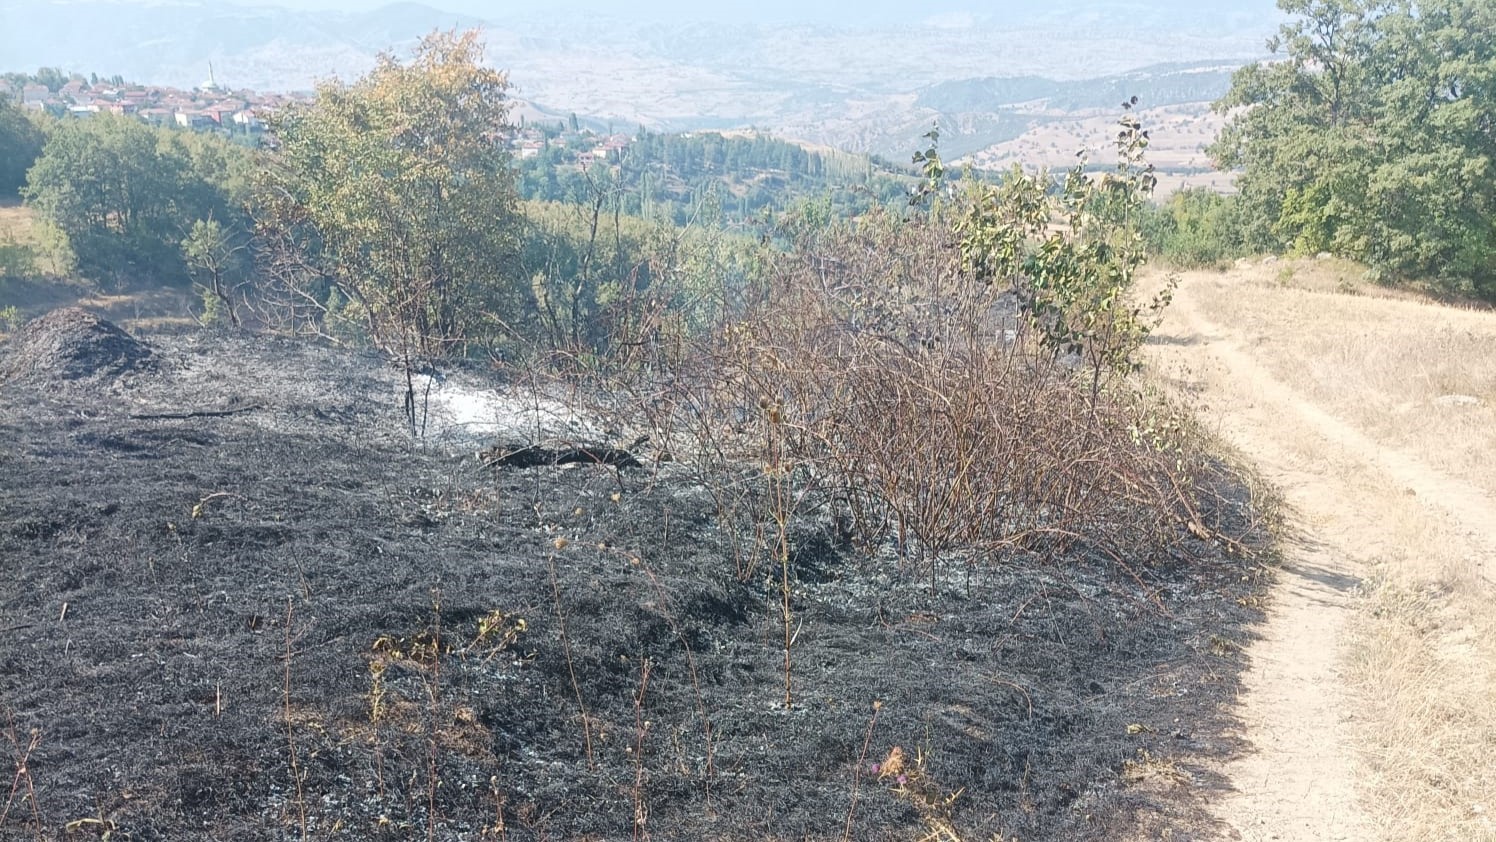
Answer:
(291, 622)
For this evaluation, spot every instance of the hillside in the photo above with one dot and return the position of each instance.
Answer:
(670, 175)
(874, 86)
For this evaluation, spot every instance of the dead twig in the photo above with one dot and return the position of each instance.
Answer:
(196, 413)
(576, 686)
(857, 770)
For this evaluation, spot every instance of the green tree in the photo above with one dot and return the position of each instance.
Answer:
(20, 143)
(1073, 281)
(216, 257)
(54, 78)
(124, 194)
(1374, 138)
(395, 195)
(1195, 227)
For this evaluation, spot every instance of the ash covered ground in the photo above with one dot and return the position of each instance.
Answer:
(240, 601)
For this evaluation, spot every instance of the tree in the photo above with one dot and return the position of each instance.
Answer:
(20, 143)
(54, 78)
(111, 186)
(1073, 281)
(216, 259)
(1374, 137)
(396, 194)
(125, 194)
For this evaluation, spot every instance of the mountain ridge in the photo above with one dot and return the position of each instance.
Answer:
(862, 87)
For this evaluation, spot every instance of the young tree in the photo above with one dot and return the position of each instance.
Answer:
(395, 195)
(216, 259)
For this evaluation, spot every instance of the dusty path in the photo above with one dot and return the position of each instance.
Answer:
(1350, 502)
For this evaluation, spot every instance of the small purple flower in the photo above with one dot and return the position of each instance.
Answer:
(903, 779)
(872, 768)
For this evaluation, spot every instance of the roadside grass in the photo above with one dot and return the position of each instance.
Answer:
(1422, 665)
(1422, 657)
(1395, 367)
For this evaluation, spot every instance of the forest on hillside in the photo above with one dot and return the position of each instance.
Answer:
(1371, 139)
(669, 175)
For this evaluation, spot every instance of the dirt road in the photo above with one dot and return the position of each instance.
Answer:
(1351, 501)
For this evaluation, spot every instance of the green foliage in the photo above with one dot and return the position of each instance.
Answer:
(608, 288)
(11, 318)
(220, 268)
(20, 143)
(124, 194)
(17, 260)
(668, 175)
(1374, 138)
(1195, 228)
(581, 260)
(53, 77)
(1073, 279)
(396, 192)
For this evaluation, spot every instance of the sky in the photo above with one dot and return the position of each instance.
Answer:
(868, 12)
(846, 13)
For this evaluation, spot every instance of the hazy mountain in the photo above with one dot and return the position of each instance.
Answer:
(863, 78)
(1165, 84)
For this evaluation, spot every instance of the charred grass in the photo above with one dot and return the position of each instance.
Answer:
(869, 584)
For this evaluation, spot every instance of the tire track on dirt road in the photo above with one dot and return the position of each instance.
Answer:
(1299, 781)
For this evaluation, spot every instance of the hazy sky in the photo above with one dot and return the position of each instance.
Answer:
(777, 11)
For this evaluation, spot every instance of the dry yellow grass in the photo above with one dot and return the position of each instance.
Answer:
(20, 227)
(1397, 368)
(1178, 137)
(47, 288)
(1344, 391)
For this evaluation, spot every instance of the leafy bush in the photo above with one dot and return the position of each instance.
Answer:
(1196, 228)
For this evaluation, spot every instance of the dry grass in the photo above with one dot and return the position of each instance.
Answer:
(19, 226)
(1423, 665)
(1385, 473)
(874, 385)
(1178, 133)
(46, 287)
(1389, 364)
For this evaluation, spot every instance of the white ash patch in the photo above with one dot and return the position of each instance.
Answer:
(463, 416)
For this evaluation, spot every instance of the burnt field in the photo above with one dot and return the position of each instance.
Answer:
(240, 601)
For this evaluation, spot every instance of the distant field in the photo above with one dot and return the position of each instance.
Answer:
(1178, 134)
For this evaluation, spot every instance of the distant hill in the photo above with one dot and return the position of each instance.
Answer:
(1162, 84)
(671, 174)
(993, 110)
(871, 84)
